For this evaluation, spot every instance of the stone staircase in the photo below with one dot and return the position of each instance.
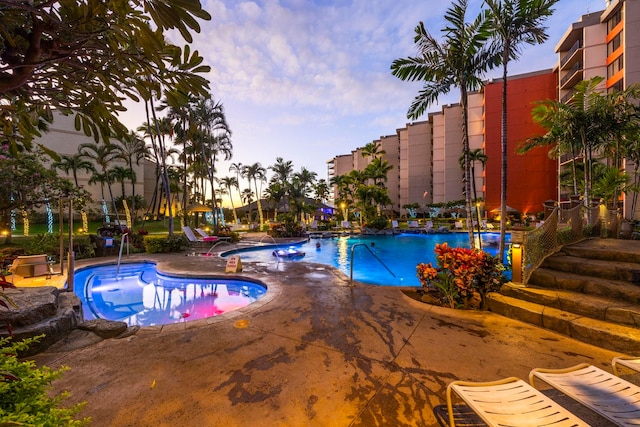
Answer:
(589, 291)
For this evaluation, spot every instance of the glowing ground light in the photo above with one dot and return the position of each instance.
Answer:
(241, 324)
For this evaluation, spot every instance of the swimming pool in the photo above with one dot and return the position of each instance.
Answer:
(400, 253)
(141, 296)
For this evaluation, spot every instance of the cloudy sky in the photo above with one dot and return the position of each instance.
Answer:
(307, 80)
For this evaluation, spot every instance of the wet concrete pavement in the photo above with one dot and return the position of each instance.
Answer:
(315, 351)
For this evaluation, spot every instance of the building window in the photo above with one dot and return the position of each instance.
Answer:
(614, 20)
(614, 44)
(617, 86)
(615, 66)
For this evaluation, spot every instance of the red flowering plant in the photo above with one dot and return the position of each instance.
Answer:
(460, 274)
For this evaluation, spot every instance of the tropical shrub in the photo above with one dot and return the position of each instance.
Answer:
(26, 400)
(164, 244)
(461, 273)
(379, 222)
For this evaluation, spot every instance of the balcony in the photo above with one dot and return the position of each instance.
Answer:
(573, 76)
(572, 55)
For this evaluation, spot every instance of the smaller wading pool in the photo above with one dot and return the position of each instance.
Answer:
(141, 296)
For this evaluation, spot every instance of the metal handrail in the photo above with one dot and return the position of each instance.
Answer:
(120, 253)
(267, 236)
(372, 253)
(216, 244)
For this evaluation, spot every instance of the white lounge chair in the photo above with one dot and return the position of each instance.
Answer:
(413, 224)
(458, 225)
(394, 224)
(205, 236)
(510, 402)
(606, 394)
(632, 363)
(194, 240)
(428, 226)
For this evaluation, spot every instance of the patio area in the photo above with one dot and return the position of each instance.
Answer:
(314, 351)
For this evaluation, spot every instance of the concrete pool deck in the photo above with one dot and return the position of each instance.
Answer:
(315, 351)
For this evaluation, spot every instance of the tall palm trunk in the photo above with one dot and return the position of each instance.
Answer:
(258, 203)
(504, 157)
(467, 164)
(163, 159)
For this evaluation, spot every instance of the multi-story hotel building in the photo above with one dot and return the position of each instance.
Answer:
(604, 43)
(427, 153)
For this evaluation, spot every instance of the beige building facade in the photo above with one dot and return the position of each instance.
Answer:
(425, 157)
(606, 44)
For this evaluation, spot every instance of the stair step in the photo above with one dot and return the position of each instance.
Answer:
(596, 307)
(614, 289)
(605, 249)
(597, 332)
(606, 269)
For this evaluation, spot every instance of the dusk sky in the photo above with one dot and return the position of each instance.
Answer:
(309, 80)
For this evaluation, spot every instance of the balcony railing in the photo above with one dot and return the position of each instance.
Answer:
(577, 45)
(571, 73)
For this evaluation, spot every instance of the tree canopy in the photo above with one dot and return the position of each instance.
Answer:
(87, 57)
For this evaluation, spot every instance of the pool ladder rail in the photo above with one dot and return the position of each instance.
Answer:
(120, 253)
(372, 253)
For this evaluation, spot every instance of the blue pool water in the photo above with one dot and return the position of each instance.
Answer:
(139, 295)
(400, 253)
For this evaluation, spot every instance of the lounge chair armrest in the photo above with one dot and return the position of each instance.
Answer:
(629, 362)
(543, 371)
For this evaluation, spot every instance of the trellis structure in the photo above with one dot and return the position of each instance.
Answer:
(564, 226)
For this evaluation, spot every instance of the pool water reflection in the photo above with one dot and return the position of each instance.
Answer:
(141, 296)
(400, 253)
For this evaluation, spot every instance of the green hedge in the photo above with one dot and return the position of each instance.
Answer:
(165, 244)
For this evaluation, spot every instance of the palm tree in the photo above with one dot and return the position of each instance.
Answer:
(255, 173)
(213, 138)
(343, 186)
(589, 122)
(321, 190)
(132, 149)
(247, 197)
(120, 174)
(373, 149)
(155, 129)
(73, 164)
(229, 182)
(457, 61)
(177, 121)
(282, 170)
(102, 155)
(237, 168)
(304, 181)
(476, 155)
(514, 22)
(378, 170)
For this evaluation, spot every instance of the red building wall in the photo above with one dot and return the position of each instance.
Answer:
(531, 178)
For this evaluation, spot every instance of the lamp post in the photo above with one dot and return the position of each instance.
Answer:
(71, 254)
(343, 205)
(479, 235)
(517, 253)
